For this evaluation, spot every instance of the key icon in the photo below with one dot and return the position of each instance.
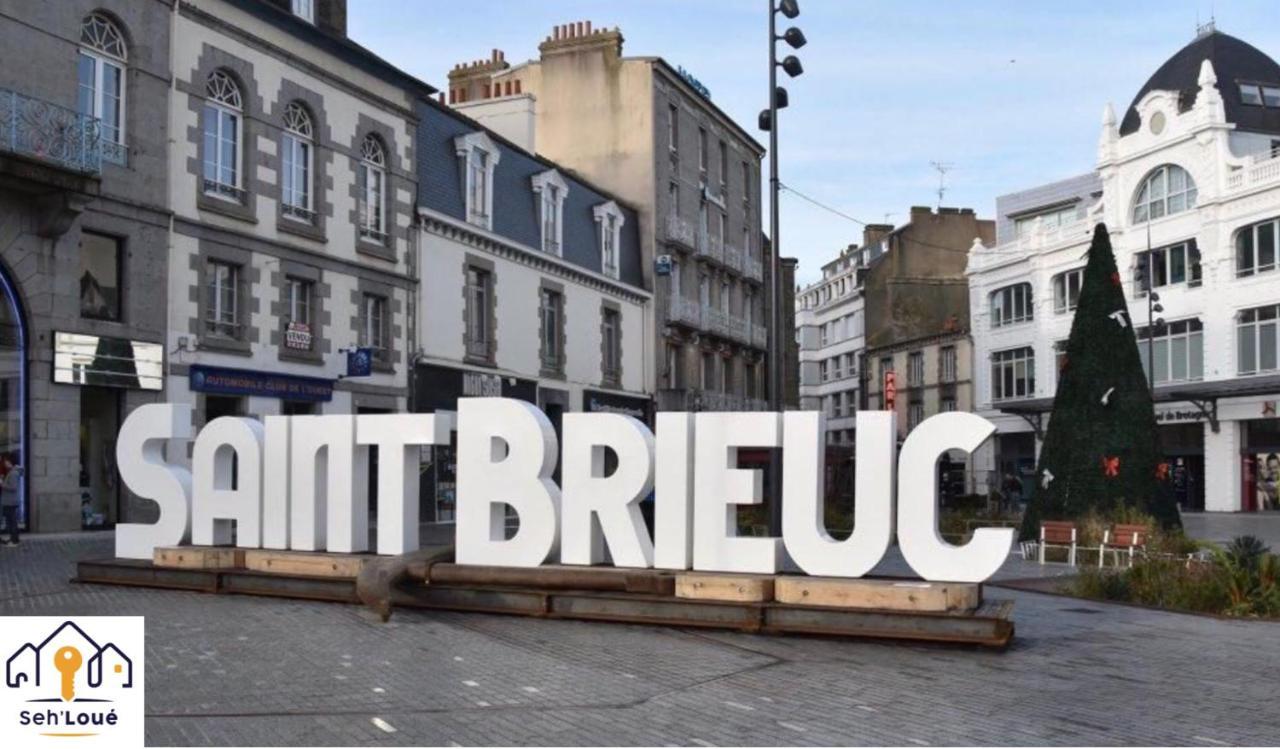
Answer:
(67, 660)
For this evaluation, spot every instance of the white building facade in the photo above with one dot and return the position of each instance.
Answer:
(1191, 172)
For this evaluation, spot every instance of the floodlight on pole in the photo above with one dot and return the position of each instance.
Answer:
(794, 37)
(789, 8)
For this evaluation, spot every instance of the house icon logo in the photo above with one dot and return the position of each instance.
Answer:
(72, 678)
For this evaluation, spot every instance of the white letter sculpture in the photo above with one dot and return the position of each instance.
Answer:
(227, 464)
(140, 458)
(588, 495)
(673, 490)
(803, 525)
(720, 486)
(398, 437)
(506, 454)
(275, 482)
(329, 485)
(924, 549)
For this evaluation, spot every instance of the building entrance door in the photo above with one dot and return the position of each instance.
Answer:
(13, 386)
(99, 482)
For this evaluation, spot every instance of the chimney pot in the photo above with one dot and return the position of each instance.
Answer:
(581, 28)
(588, 27)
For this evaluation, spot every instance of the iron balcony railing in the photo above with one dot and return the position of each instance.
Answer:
(698, 399)
(50, 133)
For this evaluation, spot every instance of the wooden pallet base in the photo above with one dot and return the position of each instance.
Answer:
(989, 623)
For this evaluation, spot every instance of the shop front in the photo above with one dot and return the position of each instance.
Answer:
(1181, 428)
(224, 391)
(438, 388)
(1260, 462)
(599, 401)
(13, 383)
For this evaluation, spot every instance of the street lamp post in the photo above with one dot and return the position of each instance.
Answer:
(769, 121)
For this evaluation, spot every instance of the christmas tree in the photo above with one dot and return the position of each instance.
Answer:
(1102, 448)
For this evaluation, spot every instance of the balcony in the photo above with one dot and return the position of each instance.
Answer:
(681, 311)
(725, 325)
(710, 246)
(681, 232)
(753, 269)
(759, 336)
(1263, 169)
(733, 258)
(697, 399)
(50, 134)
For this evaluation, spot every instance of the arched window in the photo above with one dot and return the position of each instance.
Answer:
(372, 185)
(1011, 304)
(222, 125)
(295, 149)
(1166, 190)
(100, 72)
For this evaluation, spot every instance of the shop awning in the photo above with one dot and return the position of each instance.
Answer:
(1203, 395)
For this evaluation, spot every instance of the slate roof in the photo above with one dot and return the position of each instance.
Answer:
(1234, 61)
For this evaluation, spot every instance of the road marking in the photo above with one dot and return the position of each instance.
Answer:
(918, 741)
(339, 677)
(700, 742)
(530, 690)
(1208, 740)
(379, 690)
(792, 726)
(868, 708)
(629, 676)
(471, 683)
(739, 706)
(346, 657)
(766, 699)
(482, 703)
(385, 726)
(458, 658)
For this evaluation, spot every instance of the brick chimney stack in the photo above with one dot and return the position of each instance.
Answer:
(873, 233)
(578, 37)
(470, 81)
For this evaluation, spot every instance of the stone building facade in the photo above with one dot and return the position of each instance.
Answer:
(83, 246)
(660, 143)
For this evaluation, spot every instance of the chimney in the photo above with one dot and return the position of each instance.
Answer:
(471, 81)
(331, 15)
(873, 233)
(582, 36)
(919, 212)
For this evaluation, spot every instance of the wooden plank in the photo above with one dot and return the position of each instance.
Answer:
(711, 586)
(315, 564)
(198, 557)
(883, 595)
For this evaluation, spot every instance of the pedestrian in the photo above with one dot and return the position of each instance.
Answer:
(1012, 492)
(10, 496)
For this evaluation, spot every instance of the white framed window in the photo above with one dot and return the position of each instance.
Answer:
(673, 129)
(915, 414)
(824, 370)
(551, 190)
(915, 368)
(304, 9)
(947, 405)
(222, 300)
(1066, 290)
(1010, 305)
(724, 168)
(222, 136)
(725, 294)
(1256, 248)
(101, 90)
(298, 294)
(746, 183)
(372, 186)
(1167, 190)
(1013, 374)
(479, 156)
(374, 332)
(1049, 220)
(479, 327)
(1178, 351)
(1175, 264)
(702, 151)
(296, 163)
(551, 309)
(609, 220)
(1258, 339)
(611, 330)
(947, 367)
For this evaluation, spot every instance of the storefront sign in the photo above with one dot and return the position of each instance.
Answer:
(690, 462)
(438, 388)
(1178, 414)
(297, 336)
(102, 361)
(224, 381)
(595, 401)
(890, 389)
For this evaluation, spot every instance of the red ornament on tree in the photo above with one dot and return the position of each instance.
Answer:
(1115, 278)
(1162, 471)
(1111, 467)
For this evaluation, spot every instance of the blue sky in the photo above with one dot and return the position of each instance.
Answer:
(1010, 93)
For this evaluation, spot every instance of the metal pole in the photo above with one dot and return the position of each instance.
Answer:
(775, 281)
(1151, 322)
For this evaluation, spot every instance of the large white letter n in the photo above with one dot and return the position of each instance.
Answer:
(506, 453)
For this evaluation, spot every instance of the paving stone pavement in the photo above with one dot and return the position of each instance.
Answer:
(236, 670)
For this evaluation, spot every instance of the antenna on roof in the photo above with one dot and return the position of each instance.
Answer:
(942, 168)
(1205, 29)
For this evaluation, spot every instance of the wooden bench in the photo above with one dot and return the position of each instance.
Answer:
(1121, 537)
(1059, 534)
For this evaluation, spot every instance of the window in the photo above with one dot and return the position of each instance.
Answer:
(746, 183)
(298, 294)
(552, 190)
(296, 156)
(748, 313)
(702, 150)
(374, 332)
(673, 129)
(305, 9)
(726, 375)
(849, 369)
(479, 333)
(1010, 305)
(915, 415)
(1166, 191)
(674, 362)
(222, 110)
(725, 293)
(1059, 356)
(1260, 95)
(1271, 96)
(1256, 249)
(371, 182)
(724, 167)
(947, 367)
(610, 219)
(479, 157)
(1179, 263)
(100, 71)
(915, 368)
(552, 314)
(1178, 350)
(221, 306)
(1013, 374)
(823, 335)
(1048, 220)
(1258, 337)
(835, 366)
(1066, 290)
(611, 331)
(99, 276)
(673, 199)
(824, 370)
(708, 371)
(947, 405)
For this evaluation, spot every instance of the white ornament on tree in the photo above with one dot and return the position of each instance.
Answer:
(1120, 318)
(1046, 478)
(1106, 397)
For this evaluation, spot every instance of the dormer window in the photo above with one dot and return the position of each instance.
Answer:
(479, 156)
(610, 220)
(551, 190)
(305, 9)
(1260, 95)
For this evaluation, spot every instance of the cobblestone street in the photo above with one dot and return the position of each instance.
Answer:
(243, 670)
